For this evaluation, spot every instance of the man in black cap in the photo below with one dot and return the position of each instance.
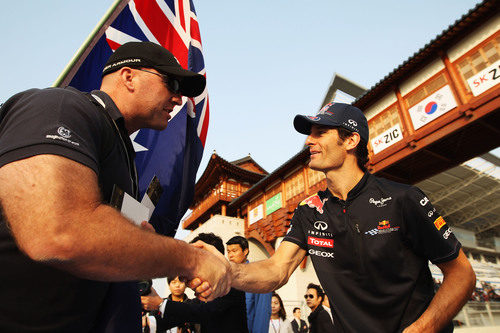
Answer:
(66, 255)
(369, 239)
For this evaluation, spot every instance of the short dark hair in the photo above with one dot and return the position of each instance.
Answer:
(318, 289)
(282, 312)
(170, 279)
(361, 150)
(295, 309)
(212, 239)
(241, 241)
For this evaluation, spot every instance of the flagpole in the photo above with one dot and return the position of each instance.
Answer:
(90, 41)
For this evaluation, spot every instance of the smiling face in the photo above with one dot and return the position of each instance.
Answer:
(326, 148)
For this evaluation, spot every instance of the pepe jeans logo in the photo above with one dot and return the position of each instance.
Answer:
(320, 225)
(379, 203)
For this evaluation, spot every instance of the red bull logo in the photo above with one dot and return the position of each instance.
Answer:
(315, 201)
(383, 225)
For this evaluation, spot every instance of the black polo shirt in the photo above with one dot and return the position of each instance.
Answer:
(371, 252)
(37, 297)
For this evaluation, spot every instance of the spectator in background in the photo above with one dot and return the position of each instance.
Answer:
(298, 325)
(278, 322)
(258, 305)
(153, 302)
(319, 320)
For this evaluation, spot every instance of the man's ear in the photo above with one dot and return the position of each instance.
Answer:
(245, 251)
(352, 141)
(127, 75)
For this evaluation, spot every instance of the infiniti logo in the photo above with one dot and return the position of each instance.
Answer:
(320, 225)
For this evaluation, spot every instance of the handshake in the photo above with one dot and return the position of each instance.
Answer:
(213, 275)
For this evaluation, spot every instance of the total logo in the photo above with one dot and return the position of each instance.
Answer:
(321, 242)
(321, 253)
(424, 201)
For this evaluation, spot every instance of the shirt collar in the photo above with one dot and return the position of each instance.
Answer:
(109, 105)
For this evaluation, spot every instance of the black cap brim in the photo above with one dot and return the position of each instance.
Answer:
(303, 124)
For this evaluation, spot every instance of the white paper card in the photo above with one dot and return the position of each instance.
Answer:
(134, 210)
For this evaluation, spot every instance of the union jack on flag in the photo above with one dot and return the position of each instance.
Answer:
(173, 155)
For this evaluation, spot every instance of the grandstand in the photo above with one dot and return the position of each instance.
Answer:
(468, 198)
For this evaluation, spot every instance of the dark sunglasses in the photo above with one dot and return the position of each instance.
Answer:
(306, 296)
(172, 83)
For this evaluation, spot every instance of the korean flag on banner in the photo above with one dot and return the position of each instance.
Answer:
(432, 107)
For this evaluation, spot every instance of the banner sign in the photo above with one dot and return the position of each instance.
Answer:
(485, 79)
(256, 214)
(273, 204)
(432, 107)
(387, 139)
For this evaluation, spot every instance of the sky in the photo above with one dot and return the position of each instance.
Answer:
(266, 61)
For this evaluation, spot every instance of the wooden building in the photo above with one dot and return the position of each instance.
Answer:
(436, 110)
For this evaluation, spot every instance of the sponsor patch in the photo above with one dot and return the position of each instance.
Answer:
(447, 233)
(321, 242)
(379, 203)
(320, 225)
(383, 225)
(314, 201)
(321, 253)
(63, 134)
(380, 231)
(424, 201)
(439, 222)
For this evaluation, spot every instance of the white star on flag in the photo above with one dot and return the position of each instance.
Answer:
(137, 147)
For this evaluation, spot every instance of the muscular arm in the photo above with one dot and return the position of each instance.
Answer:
(458, 283)
(267, 275)
(54, 210)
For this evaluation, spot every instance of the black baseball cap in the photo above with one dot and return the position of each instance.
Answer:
(152, 55)
(335, 115)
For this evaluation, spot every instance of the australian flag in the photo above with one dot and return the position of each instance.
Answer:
(172, 155)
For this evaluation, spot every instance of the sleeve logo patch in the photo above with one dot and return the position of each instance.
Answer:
(321, 242)
(439, 223)
(63, 134)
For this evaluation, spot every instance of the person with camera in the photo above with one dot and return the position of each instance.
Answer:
(151, 303)
(68, 256)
